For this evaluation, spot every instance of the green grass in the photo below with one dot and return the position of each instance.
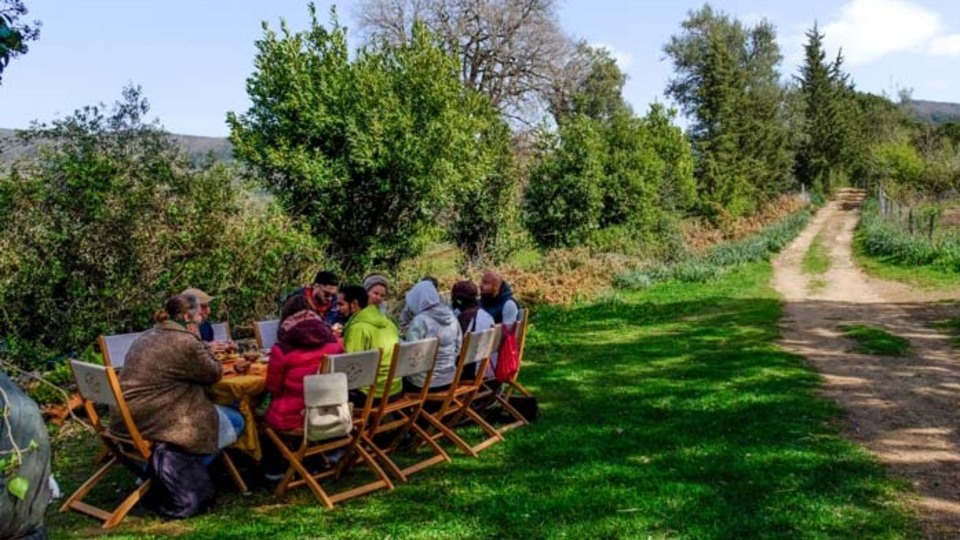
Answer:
(816, 260)
(669, 413)
(926, 277)
(876, 341)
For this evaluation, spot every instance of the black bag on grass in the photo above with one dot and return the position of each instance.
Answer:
(182, 485)
(526, 406)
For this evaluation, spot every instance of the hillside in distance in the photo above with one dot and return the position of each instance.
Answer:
(935, 112)
(195, 146)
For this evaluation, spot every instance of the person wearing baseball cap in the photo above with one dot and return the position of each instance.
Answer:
(206, 327)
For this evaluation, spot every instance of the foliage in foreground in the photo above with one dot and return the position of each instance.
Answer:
(112, 217)
(666, 414)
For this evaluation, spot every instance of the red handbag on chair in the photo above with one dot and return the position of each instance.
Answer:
(508, 362)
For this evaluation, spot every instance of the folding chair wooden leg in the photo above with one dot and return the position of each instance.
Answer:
(493, 436)
(440, 455)
(383, 483)
(385, 459)
(518, 419)
(515, 385)
(234, 473)
(295, 461)
(444, 431)
(110, 519)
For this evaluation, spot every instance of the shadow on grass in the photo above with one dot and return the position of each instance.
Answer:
(660, 419)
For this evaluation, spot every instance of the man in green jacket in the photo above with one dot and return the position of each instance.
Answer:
(367, 328)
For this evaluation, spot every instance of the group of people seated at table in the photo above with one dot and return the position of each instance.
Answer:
(169, 369)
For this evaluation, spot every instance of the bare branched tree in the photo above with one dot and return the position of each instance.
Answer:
(509, 50)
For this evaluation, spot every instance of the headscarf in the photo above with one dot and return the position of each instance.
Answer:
(304, 330)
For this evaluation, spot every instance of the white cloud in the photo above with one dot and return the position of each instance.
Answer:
(622, 58)
(945, 45)
(871, 29)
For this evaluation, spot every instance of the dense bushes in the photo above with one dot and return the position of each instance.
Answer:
(111, 217)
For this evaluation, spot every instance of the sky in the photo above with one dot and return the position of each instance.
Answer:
(192, 57)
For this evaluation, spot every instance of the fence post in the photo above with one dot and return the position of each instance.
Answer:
(910, 219)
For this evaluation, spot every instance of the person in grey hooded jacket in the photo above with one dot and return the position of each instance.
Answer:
(433, 318)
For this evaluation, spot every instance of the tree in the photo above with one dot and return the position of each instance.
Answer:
(485, 201)
(14, 35)
(828, 145)
(590, 84)
(639, 169)
(564, 199)
(726, 80)
(112, 217)
(507, 48)
(367, 151)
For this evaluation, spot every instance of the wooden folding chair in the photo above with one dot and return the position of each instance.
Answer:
(114, 348)
(523, 324)
(455, 401)
(400, 415)
(361, 370)
(221, 331)
(98, 385)
(493, 391)
(266, 333)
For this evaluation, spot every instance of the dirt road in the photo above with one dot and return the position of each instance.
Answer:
(905, 410)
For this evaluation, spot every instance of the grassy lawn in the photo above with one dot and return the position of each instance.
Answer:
(877, 341)
(669, 413)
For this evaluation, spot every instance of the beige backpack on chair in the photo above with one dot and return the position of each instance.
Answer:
(328, 413)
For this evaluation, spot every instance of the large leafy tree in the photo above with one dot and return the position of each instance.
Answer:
(14, 33)
(367, 151)
(727, 81)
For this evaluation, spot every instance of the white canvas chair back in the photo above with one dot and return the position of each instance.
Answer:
(325, 389)
(221, 332)
(114, 348)
(480, 345)
(266, 332)
(360, 367)
(93, 383)
(415, 357)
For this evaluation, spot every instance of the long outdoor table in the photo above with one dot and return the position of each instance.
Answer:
(240, 390)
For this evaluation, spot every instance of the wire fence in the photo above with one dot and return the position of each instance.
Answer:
(920, 219)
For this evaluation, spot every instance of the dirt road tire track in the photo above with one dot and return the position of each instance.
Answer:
(905, 410)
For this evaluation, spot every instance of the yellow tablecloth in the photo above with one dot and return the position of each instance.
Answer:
(239, 389)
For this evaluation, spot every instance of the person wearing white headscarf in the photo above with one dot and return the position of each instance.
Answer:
(433, 318)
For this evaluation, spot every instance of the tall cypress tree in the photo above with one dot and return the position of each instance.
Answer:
(829, 140)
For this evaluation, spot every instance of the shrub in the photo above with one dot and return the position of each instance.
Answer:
(716, 262)
(112, 217)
